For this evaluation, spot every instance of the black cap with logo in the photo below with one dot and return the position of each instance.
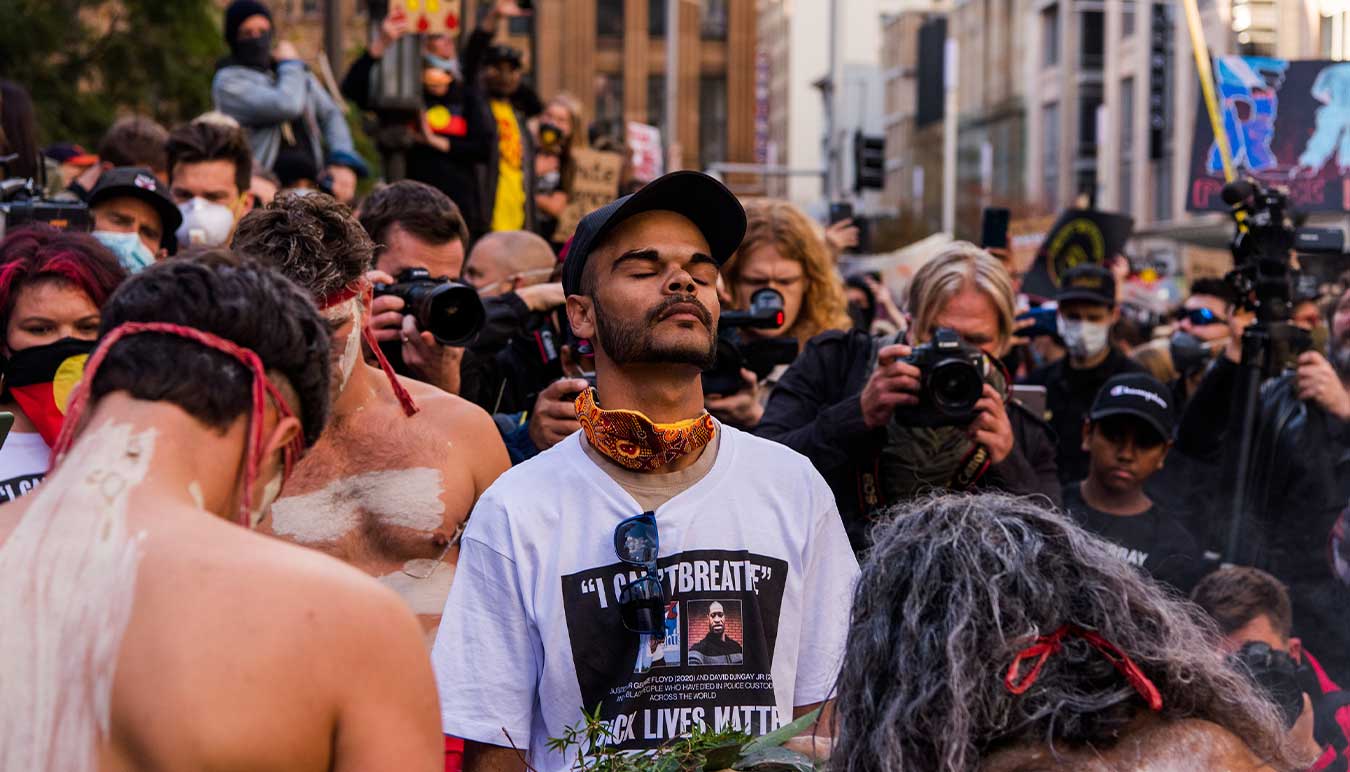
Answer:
(1090, 283)
(707, 203)
(139, 182)
(1139, 395)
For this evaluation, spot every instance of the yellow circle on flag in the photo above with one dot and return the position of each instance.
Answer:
(68, 375)
(438, 118)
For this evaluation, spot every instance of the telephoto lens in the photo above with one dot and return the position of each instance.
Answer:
(450, 311)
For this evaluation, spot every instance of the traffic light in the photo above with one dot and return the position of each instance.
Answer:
(869, 162)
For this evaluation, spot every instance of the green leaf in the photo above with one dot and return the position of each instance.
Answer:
(724, 756)
(775, 759)
(783, 734)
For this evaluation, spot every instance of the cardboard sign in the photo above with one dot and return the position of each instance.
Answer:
(645, 141)
(1284, 120)
(594, 183)
(431, 17)
(1080, 236)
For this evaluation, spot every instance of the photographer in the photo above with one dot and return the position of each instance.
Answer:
(1253, 612)
(52, 285)
(286, 111)
(836, 403)
(782, 251)
(453, 135)
(557, 134)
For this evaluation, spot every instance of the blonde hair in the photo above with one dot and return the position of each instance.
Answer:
(959, 265)
(577, 141)
(771, 221)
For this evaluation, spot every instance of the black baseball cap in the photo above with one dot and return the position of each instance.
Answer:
(1139, 395)
(707, 203)
(140, 182)
(1091, 283)
(499, 53)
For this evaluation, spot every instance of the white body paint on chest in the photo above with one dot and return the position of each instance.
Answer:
(410, 498)
(424, 596)
(69, 576)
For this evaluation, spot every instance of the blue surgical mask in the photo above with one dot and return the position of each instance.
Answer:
(130, 250)
(441, 63)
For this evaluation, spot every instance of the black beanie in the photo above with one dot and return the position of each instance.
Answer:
(237, 12)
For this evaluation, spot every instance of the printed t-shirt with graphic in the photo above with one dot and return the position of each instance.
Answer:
(24, 460)
(508, 212)
(532, 633)
(1153, 541)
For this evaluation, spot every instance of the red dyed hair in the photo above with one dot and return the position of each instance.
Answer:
(42, 253)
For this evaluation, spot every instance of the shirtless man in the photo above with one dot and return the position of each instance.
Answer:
(140, 626)
(1008, 639)
(386, 489)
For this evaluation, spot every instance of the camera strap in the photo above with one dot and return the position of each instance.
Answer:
(366, 291)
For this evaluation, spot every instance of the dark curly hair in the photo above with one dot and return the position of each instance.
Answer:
(954, 587)
(244, 302)
(312, 239)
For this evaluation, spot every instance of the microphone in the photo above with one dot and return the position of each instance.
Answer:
(1237, 191)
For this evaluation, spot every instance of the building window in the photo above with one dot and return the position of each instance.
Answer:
(1050, 154)
(609, 103)
(713, 20)
(1127, 18)
(520, 25)
(656, 18)
(1050, 34)
(1094, 40)
(1088, 105)
(712, 120)
(1162, 189)
(656, 101)
(609, 18)
(1126, 145)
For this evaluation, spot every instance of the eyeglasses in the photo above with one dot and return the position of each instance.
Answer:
(1201, 317)
(642, 602)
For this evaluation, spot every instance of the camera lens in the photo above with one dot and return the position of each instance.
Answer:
(452, 312)
(955, 385)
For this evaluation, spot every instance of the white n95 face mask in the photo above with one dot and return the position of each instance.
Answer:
(1083, 339)
(204, 224)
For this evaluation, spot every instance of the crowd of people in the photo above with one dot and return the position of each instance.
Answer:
(680, 471)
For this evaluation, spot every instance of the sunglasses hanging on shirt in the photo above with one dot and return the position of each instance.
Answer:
(642, 602)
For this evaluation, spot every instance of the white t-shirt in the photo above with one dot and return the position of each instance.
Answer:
(532, 633)
(24, 460)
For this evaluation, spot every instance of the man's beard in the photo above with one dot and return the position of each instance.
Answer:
(634, 343)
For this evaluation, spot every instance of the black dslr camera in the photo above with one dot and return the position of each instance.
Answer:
(1277, 675)
(760, 355)
(950, 383)
(450, 311)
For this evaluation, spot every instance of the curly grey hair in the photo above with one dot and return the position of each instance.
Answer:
(955, 586)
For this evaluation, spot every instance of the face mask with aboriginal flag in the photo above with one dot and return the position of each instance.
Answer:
(41, 378)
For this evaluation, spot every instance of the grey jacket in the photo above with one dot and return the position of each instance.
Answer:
(263, 101)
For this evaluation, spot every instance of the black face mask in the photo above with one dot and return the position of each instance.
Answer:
(254, 52)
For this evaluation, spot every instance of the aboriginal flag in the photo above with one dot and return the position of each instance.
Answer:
(42, 378)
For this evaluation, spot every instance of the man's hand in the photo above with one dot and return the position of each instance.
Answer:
(892, 383)
(386, 311)
(1318, 382)
(431, 138)
(394, 26)
(991, 427)
(285, 51)
(554, 415)
(740, 409)
(841, 236)
(1238, 320)
(542, 297)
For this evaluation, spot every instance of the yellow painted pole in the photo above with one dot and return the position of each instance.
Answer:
(1202, 67)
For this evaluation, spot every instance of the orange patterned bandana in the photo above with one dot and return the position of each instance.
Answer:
(631, 440)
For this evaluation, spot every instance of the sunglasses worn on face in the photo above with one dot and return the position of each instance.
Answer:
(1202, 316)
(642, 602)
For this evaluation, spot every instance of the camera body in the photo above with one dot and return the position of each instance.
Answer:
(951, 382)
(452, 312)
(1276, 673)
(21, 204)
(734, 352)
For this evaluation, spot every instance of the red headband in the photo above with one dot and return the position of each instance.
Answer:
(365, 290)
(1046, 645)
(262, 388)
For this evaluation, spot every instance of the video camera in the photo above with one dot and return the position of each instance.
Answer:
(21, 203)
(951, 382)
(449, 310)
(760, 355)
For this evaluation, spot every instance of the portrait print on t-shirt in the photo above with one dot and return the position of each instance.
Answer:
(712, 668)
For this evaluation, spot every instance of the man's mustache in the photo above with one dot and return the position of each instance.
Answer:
(698, 309)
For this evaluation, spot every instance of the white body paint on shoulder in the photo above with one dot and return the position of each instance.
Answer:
(69, 573)
(424, 596)
(410, 498)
